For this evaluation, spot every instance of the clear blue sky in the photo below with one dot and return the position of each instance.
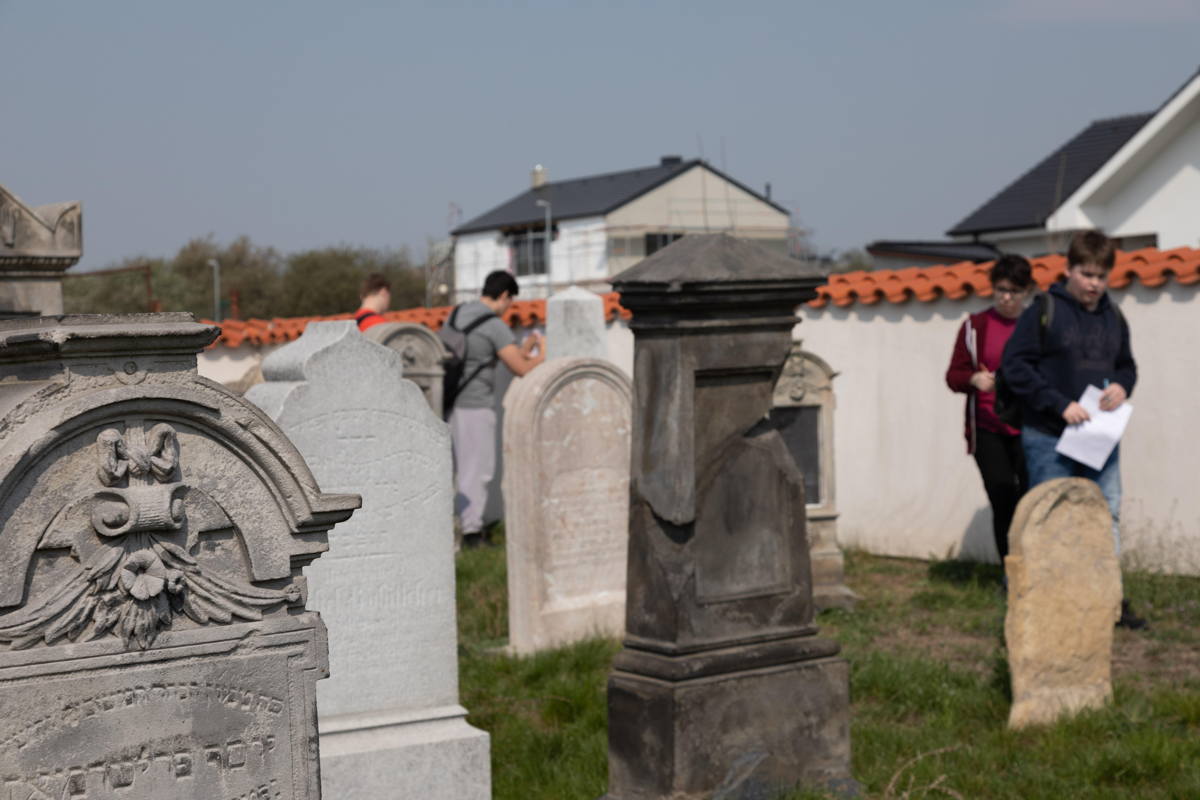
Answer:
(304, 124)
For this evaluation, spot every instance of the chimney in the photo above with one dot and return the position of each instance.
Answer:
(768, 192)
(539, 176)
(671, 161)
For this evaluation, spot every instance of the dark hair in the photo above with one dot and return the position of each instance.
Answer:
(372, 284)
(1012, 268)
(1092, 247)
(499, 282)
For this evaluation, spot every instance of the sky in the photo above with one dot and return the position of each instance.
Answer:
(309, 124)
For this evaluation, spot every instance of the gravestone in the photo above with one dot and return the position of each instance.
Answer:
(421, 352)
(802, 410)
(390, 721)
(154, 637)
(566, 490)
(1064, 594)
(575, 325)
(37, 245)
(723, 687)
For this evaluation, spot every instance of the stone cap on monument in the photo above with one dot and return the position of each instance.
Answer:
(45, 238)
(77, 336)
(716, 276)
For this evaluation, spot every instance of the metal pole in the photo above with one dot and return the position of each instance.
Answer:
(216, 268)
(548, 238)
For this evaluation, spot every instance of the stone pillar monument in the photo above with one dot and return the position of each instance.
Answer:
(154, 637)
(37, 245)
(722, 686)
(422, 353)
(575, 325)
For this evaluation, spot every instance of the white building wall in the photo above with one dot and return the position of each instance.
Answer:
(475, 255)
(577, 255)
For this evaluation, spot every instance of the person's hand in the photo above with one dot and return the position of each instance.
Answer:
(532, 341)
(984, 380)
(1112, 397)
(1075, 414)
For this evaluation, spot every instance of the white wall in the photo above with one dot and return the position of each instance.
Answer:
(475, 255)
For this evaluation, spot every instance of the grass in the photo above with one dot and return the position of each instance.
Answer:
(929, 693)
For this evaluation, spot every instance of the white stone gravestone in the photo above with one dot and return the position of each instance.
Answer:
(567, 429)
(575, 325)
(390, 722)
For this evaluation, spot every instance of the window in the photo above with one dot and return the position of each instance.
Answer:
(657, 241)
(800, 428)
(528, 250)
(619, 246)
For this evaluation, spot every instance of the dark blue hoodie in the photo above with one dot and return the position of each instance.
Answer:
(1081, 347)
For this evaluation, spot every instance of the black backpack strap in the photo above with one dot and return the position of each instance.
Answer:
(475, 372)
(1044, 319)
(365, 315)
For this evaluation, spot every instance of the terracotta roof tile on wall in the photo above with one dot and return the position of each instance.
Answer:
(1152, 267)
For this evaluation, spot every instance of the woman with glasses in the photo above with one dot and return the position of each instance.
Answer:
(995, 445)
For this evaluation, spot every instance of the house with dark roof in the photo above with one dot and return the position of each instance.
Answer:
(601, 224)
(1136, 177)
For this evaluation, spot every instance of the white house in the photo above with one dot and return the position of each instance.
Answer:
(603, 224)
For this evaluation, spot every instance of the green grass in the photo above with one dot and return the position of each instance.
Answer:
(929, 692)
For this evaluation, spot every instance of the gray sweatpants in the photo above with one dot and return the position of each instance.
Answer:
(473, 432)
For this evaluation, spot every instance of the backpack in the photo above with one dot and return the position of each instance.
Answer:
(455, 363)
(1008, 405)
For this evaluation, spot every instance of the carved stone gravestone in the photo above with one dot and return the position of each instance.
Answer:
(802, 410)
(37, 245)
(723, 686)
(154, 640)
(575, 325)
(566, 490)
(390, 721)
(1064, 594)
(421, 352)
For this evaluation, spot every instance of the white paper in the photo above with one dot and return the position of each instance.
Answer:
(1093, 441)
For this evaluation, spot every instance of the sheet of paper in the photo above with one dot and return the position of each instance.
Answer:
(1092, 442)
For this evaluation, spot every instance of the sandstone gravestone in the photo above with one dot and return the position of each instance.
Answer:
(802, 410)
(390, 721)
(1064, 594)
(722, 687)
(575, 325)
(566, 490)
(421, 352)
(37, 245)
(154, 641)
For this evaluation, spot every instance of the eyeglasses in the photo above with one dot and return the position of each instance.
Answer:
(1010, 292)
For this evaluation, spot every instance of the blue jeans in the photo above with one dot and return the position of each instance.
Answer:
(1044, 464)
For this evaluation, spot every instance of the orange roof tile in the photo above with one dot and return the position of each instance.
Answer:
(1151, 266)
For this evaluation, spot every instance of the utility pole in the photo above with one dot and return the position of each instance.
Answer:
(549, 237)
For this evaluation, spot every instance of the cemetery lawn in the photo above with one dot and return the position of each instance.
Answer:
(929, 692)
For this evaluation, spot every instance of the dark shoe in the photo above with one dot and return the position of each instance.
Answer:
(1131, 620)
(470, 541)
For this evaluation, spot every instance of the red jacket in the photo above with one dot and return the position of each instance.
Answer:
(969, 346)
(365, 318)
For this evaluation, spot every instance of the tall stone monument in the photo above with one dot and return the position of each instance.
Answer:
(723, 685)
(390, 721)
(154, 637)
(421, 352)
(566, 489)
(37, 245)
(802, 410)
(575, 325)
(1064, 594)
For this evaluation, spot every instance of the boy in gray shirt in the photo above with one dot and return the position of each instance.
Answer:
(473, 417)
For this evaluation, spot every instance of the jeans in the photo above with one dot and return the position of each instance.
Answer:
(1002, 467)
(1045, 464)
(473, 435)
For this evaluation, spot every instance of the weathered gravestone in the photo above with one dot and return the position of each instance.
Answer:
(422, 353)
(154, 641)
(802, 410)
(1064, 594)
(566, 491)
(390, 721)
(575, 325)
(723, 687)
(37, 245)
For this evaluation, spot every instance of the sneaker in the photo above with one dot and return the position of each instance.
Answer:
(1131, 620)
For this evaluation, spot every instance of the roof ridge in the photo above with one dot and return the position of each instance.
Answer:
(615, 173)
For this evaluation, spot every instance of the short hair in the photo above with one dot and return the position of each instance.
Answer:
(372, 284)
(1092, 247)
(1012, 268)
(499, 282)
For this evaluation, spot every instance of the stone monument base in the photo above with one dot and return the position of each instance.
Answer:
(733, 723)
(829, 582)
(437, 757)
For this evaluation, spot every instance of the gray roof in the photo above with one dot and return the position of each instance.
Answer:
(717, 258)
(589, 196)
(1029, 200)
(945, 250)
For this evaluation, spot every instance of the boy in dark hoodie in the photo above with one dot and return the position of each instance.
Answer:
(1085, 343)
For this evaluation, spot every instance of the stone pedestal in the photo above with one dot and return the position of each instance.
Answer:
(390, 722)
(566, 490)
(154, 636)
(37, 245)
(422, 353)
(723, 687)
(1064, 594)
(575, 325)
